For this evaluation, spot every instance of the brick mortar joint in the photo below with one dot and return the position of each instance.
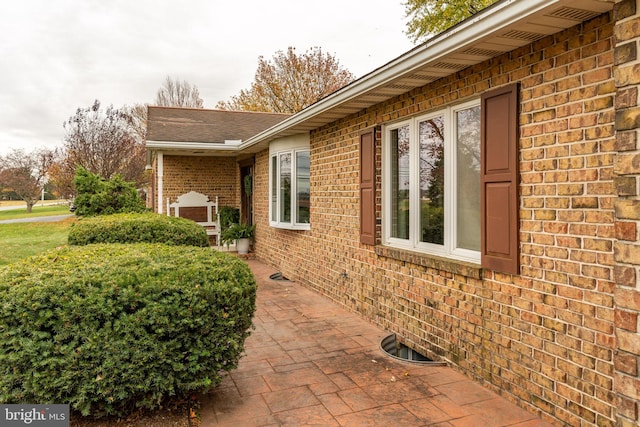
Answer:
(618, 21)
(626, 65)
(631, 62)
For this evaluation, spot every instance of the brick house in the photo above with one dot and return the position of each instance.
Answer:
(478, 196)
(195, 150)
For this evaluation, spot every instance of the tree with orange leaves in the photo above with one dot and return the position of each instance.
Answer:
(290, 82)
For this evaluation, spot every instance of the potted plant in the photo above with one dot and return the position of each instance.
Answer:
(228, 216)
(239, 233)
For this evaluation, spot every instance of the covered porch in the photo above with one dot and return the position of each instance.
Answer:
(194, 151)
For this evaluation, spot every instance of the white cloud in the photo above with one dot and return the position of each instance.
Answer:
(58, 56)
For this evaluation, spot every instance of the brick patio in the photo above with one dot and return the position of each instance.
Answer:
(310, 362)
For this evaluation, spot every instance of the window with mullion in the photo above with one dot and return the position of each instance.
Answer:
(284, 190)
(431, 172)
(467, 170)
(303, 188)
(432, 183)
(290, 189)
(400, 182)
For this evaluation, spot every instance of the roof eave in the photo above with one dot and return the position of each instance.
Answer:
(191, 146)
(486, 23)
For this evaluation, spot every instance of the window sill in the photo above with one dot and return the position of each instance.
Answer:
(462, 268)
(305, 227)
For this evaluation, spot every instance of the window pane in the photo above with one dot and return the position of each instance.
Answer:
(468, 178)
(274, 188)
(431, 139)
(302, 187)
(285, 187)
(400, 182)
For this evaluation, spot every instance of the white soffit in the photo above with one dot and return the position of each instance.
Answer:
(505, 26)
(193, 148)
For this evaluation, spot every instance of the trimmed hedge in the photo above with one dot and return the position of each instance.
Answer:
(112, 328)
(137, 228)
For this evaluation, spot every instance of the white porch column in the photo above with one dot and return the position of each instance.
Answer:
(160, 183)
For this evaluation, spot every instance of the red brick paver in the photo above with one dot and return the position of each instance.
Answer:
(309, 362)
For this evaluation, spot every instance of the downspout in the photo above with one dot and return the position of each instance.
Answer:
(160, 178)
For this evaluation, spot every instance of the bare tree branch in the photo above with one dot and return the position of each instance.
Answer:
(103, 141)
(176, 93)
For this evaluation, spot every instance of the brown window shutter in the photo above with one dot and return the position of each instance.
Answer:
(368, 187)
(499, 180)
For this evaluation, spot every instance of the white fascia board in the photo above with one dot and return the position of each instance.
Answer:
(490, 21)
(200, 146)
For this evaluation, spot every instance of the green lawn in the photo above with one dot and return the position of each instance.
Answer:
(20, 240)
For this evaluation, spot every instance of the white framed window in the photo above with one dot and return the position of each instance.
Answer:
(289, 185)
(431, 182)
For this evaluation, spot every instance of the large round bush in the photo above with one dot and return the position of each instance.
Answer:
(98, 196)
(111, 328)
(137, 228)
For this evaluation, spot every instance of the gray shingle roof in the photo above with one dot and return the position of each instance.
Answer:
(200, 125)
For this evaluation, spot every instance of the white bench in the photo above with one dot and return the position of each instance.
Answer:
(197, 207)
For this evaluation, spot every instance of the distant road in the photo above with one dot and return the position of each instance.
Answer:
(24, 205)
(52, 218)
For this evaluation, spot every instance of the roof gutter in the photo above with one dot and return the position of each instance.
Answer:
(481, 25)
(201, 146)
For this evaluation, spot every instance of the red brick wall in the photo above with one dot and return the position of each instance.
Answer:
(545, 338)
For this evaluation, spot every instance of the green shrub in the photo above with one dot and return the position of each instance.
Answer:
(111, 328)
(137, 228)
(97, 196)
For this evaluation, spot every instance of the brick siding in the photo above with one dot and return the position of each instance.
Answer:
(547, 337)
(627, 211)
(213, 176)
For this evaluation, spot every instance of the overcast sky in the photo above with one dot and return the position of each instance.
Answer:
(60, 55)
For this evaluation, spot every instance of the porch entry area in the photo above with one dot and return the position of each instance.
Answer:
(199, 208)
(246, 196)
(211, 184)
